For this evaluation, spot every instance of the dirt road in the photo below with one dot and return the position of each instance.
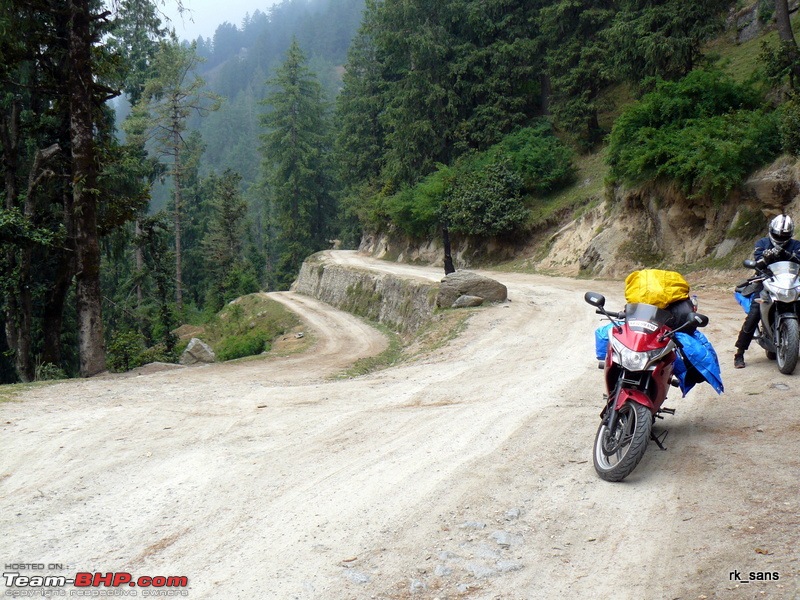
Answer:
(464, 474)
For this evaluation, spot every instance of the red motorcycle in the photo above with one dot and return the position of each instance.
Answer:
(639, 362)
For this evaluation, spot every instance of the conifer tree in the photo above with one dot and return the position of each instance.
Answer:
(169, 98)
(416, 45)
(496, 70)
(577, 63)
(223, 245)
(296, 156)
(662, 38)
(359, 133)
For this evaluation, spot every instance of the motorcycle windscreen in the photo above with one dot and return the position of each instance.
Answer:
(784, 267)
(645, 318)
(783, 279)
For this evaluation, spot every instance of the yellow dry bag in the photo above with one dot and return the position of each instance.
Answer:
(657, 287)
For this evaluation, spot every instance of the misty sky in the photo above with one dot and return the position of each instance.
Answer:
(203, 16)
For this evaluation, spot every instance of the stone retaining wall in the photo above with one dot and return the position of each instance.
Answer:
(401, 304)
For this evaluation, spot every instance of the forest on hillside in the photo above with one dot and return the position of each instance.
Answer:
(148, 180)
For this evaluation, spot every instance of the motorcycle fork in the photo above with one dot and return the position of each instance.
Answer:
(779, 317)
(610, 414)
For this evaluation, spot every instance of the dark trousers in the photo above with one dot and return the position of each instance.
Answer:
(749, 326)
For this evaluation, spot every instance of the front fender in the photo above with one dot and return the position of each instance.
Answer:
(787, 314)
(637, 396)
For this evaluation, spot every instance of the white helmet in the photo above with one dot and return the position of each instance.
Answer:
(781, 230)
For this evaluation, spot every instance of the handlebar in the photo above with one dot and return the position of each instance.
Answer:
(695, 319)
(608, 313)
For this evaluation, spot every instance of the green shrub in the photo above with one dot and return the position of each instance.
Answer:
(248, 344)
(247, 327)
(160, 353)
(124, 351)
(540, 158)
(533, 162)
(704, 132)
(127, 351)
(487, 202)
(49, 372)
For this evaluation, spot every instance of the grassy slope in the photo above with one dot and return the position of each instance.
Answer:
(588, 187)
(246, 318)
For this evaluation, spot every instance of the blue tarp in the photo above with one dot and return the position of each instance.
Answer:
(698, 350)
(744, 301)
(702, 356)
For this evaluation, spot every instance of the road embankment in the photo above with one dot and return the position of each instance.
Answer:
(401, 303)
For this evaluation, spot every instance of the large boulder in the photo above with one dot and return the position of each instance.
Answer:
(464, 283)
(467, 301)
(774, 187)
(197, 352)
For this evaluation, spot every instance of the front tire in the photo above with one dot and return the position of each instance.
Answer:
(789, 335)
(616, 457)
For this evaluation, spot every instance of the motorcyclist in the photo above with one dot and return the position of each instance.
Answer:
(777, 245)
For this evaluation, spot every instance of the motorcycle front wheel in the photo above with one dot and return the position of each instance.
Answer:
(789, 346)
(616, 456)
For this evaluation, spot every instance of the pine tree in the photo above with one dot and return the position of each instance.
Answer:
(223, 245)
(360, 134)
(662, 38)
(415, 45)
(577, 63)
(134, 36)
(496, 70)
(169, 98)
(32, 164)
(296, 156)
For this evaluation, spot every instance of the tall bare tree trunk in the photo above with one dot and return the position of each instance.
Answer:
(783, 22)
(786, 36)
(53, 314)
(448, 255)
(17, 319)
(91, 347)
(177, 222)
(139, 263)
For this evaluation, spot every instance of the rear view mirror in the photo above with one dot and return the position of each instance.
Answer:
(595, 299)
(750, 264)
(700, 320)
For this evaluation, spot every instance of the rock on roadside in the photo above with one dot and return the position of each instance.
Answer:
(197, 352)
(464, 283)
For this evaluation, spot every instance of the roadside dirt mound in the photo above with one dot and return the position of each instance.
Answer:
(187, 332)
(464, 474)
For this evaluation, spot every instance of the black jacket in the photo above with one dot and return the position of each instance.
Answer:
(790, 251)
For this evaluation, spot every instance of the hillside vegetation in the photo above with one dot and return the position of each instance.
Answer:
(701, 134)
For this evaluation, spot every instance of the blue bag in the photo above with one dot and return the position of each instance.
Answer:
(601, 340)
(702, 357)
